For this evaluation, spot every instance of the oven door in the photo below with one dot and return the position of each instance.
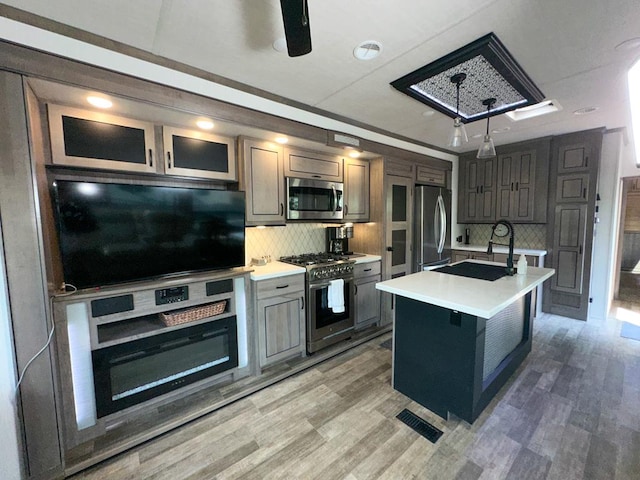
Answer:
(314, 199)
(324, 326)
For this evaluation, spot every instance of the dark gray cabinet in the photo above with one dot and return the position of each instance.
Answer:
(476, 192)
(513, 186)
(367, 298)
(571, 210)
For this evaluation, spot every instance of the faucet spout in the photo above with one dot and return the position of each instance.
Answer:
(509, 227)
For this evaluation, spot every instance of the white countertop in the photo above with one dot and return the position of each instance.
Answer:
(367, 258)
(274, 269)
(501, 249)
(481, 298)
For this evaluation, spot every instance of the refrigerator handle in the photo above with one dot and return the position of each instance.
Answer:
(420, 245)
(443, 224)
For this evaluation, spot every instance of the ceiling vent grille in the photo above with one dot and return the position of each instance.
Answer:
(367, 50)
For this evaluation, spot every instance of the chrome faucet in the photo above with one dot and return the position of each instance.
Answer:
(502, 228)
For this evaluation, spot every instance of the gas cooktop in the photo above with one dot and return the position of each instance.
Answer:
(313, 259)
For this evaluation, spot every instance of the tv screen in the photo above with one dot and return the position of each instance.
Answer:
(112, 233)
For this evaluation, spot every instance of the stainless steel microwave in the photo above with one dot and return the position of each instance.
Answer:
(309, 199)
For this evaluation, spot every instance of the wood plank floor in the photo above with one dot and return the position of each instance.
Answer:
(571, 411)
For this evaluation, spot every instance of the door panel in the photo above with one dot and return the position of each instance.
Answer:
(568, 260)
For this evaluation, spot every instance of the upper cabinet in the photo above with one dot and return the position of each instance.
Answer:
(197, 154)
(308, 164)
(356, 190)
(262, 180)
(513, 186)
(428, 175)
(89, 139)
(476, 189)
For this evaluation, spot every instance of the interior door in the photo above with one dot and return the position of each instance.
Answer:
(399, 217)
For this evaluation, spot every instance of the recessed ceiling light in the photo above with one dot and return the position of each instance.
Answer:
(585, 110)
(367, 50)
(280, 45)
(205, 124)
(629, 44)
(530, 111)
(501, 130)
(282, 140)
(100, 102)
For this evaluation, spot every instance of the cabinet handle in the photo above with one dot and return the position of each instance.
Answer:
(282, 286)
(281, 209)
(168, 159)
(517, 186)
(150, 158)
(367, 270)
(302, 298)
(512, 186)
(478, 189)
(346, 209)
(580, 250)
(389, 249)
(584, 193)
(586, 161)
(316, 176)
(481, 188)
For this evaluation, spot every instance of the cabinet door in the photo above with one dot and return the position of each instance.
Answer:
(431, 175)
(308, 164)
(399, 215)
(281, 327)
(572, 188)
(262, 180)
(198, 154)
(476, 201)
(356, 190)
(574, 157)
(83, 138)
(367, 301)
(515, 186)
(568, 249)
(459, 255)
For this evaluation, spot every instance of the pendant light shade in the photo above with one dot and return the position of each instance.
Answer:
(487, 149)
(458, 134)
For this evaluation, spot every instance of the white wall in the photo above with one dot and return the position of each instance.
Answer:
(606, 230)
(8, 416)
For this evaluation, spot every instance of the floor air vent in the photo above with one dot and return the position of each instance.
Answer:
(424, 428)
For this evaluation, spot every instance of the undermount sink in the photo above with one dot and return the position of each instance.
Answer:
(479, 271)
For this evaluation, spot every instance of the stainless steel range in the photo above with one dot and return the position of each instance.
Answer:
(329, 277)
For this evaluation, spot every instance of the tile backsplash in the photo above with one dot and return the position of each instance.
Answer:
(294, 239)
(525, 235)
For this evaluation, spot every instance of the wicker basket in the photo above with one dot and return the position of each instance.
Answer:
(193, 314)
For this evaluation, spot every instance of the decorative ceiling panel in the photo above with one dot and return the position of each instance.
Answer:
(491, 72)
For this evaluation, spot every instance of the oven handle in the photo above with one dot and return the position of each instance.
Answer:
(335, 198)
(313, 286)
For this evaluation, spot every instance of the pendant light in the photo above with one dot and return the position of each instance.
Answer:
(458, 134)
(487, 149)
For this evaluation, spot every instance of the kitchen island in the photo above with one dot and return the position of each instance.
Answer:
(457, 340)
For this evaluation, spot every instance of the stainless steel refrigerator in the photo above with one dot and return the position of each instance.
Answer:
(432, 227)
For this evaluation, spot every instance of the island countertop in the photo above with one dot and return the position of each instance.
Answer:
(481, 298)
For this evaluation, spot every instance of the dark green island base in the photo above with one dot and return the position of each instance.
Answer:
(446, 360)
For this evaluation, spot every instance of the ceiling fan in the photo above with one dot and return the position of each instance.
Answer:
(295, 14)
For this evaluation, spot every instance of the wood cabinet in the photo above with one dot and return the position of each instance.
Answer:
(356, 190)
(459, 255)
(573, 179)
(301, 163)
(83, 138)
(262, 179)
(197, 154)
(428, 175)
(280, 309)
(367, 298)
(513, 186)
(476, 190)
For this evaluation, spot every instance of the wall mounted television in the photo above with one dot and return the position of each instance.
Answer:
(112, 233)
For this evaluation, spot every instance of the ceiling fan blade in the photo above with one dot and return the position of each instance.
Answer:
(295, 14)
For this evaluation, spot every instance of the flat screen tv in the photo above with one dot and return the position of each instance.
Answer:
(112, 233)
